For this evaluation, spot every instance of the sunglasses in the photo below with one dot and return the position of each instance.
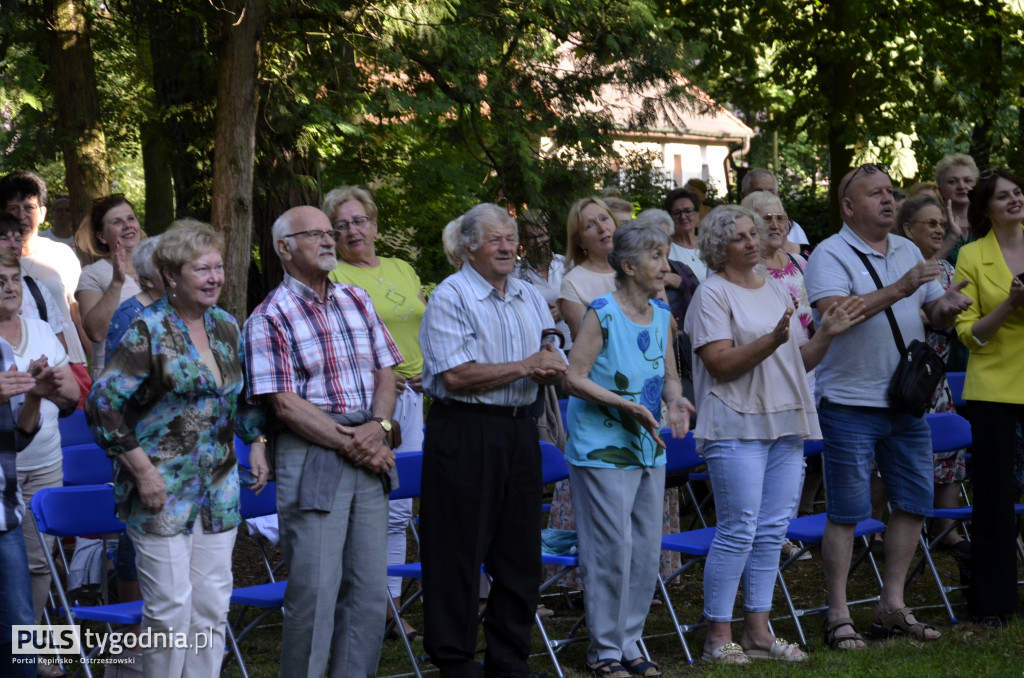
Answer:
(868, 169)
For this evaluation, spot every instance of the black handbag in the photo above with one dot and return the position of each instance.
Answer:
(920, 370)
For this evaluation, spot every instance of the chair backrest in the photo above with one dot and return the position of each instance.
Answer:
(949, 431)
(956, 387)
(86, 465)
(74, 430)
(682, 452)
(76, 511)
(256, 505)
(553, 466)
(410, 469)
(563, 405)
(813, 447)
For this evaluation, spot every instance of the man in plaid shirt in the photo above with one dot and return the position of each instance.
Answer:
(320, 358)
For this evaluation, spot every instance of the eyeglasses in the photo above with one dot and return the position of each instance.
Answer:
(16, 210)
(315, 235)
(780, 219)
(867, 169)
(684, 212)
(342, 225)
(930, 223)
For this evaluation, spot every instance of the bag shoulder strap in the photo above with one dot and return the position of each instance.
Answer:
(33, 287)
(796, 263)
(896, 334)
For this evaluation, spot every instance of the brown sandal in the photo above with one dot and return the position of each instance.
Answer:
(895, 623)
(833, 639)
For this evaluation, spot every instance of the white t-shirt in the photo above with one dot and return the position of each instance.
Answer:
(689, 257)
(37, 340)
(56, 266)
(96, 277)
(29, 308)
(48, 234)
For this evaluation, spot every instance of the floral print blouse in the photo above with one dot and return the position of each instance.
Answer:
(157, 393)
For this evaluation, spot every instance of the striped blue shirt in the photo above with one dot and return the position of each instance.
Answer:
(467, 320)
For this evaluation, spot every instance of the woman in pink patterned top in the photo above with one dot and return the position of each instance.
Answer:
(776, 262)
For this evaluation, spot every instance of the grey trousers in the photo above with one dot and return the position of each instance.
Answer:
(336, 600)
(618, 522)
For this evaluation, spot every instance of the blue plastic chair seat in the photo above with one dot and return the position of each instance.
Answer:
(120, 613)
(812, 528)
(261, 595)
(694, 542)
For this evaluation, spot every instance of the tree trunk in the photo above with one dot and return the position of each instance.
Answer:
(156, 167)
(235, 121)
(73, 74)
(836, 78)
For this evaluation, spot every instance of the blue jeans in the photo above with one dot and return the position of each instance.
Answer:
(15, 600)
(901, 446)
(757, 486)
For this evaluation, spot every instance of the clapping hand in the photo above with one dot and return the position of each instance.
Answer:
(781, 332)
(842, 315)
(678, 413)
(14, 383)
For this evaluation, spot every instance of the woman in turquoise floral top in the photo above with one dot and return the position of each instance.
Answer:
(167, 408)
(621, 368)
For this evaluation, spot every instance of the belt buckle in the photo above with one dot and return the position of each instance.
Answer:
(516, 410)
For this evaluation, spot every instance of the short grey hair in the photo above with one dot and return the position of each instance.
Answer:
(142, 259)
(756, 173)
(717, 230)
(450, 241)
(656, 217)
(632, 241)
(759, 199)
(342, 194)
(484, 215)
(282, 227)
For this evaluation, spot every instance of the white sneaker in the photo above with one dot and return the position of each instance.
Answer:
(789, 548)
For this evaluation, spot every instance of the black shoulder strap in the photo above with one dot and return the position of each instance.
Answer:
(795, 262)
(33, 287)
(896, 334)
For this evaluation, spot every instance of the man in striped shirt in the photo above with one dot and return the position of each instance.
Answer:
(481, 496)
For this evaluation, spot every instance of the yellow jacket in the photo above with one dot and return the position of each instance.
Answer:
(995, 371)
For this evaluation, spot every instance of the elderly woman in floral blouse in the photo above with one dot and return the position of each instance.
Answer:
(167, 409)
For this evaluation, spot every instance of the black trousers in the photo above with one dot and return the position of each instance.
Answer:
(993, 530)
(480, 504)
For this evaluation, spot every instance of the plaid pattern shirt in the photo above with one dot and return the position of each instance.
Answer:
(324, 351)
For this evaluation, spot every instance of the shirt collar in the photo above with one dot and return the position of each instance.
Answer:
(858, 243)
(304, 291)
(482, 289)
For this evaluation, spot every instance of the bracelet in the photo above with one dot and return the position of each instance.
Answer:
(260, 439)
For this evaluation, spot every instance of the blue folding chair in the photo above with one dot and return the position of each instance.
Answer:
(268, 597)
(410, 468)
(86, 464)
(73, 512)
(682, 457)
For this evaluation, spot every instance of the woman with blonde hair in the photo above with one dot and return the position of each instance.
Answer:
(589, 230)
(167, 408)
(955, 176)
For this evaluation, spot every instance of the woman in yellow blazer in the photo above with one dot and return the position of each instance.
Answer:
(993, 329)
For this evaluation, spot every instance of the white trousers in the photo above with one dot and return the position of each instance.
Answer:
(186, 586)
(409, 414)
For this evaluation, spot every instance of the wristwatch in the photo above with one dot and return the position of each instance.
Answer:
(384, 423)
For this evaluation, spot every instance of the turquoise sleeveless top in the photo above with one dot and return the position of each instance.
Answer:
(632, 365)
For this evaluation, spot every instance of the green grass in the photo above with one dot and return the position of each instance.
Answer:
(966, 649)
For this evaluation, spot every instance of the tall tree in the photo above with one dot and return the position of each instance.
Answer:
(73, 75)
(234, 145)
